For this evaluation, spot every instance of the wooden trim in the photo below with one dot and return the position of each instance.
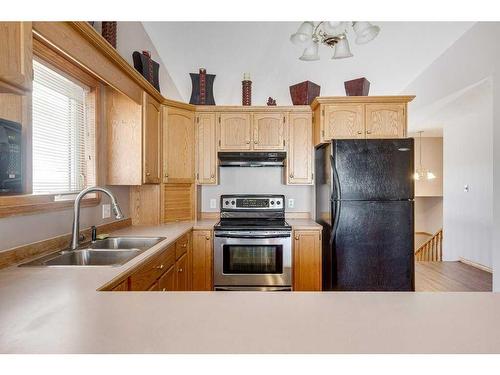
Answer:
(8, 88)
(476, 265)
(256, 108)
(360, 99)
(22, 253)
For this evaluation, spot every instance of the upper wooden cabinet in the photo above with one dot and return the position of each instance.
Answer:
(299, 168)
(343, 121)
(234, 131)
(206, 149)
(16, 68)
(268, 131)
(362, 117)
(178, 145)
(151, 112)
(385, 120)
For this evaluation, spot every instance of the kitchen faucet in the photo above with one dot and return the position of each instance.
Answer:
(76, 211)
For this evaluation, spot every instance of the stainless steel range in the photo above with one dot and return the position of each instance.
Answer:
(253, 244)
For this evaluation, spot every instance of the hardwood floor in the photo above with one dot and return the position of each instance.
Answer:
(451, 277)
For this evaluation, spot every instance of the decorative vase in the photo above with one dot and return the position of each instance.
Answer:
(246, 88)
(203, 85)
(304, 93)
(357, 87)
(271, 101)
(109, 32)
(148, 68)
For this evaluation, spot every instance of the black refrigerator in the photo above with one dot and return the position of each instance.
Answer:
(364, 200)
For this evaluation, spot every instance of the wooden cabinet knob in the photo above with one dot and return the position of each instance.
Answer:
(248, 142)
(160, 267)
(166, 174)
(184, 245)
(255, 142)
(360, 132)
(148, 174)
(297, 238)
(207, 238)
(179, 270)
(164, 290)
(368, 132)
(291, 175)
(212, 175)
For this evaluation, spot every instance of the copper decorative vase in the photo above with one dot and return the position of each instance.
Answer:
(304, 93)
(357, 87)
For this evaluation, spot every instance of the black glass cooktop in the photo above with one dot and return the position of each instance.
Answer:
(253, 224)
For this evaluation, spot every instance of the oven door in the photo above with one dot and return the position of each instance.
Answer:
(252, 259)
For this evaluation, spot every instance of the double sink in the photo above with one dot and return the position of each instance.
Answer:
(112, 251)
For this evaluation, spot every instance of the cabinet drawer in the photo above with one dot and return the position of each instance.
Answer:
(146, 275)
(181, 246)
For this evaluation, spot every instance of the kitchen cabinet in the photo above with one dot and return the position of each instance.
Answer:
(16, 50)
(178, 145)
(299, 168)
(359, 117)
(234, 131)
(202, 260)
(181, 278)
(206, 149)
(385, 121)
(343, 121)
(122, 287)
(151, 140)
(268, 131)
(307, 260)
(166, 283)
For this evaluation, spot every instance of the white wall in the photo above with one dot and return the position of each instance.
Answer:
(428, 214)
(266, 180)
(432, 159)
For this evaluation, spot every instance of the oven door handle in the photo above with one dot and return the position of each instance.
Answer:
(252, 236)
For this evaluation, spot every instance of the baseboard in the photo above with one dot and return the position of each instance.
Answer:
(476, 265)
(22, 253)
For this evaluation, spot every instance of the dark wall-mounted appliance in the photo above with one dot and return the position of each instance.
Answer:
(252, 159)
(11, 176)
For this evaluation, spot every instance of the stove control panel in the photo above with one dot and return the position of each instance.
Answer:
(257, 203)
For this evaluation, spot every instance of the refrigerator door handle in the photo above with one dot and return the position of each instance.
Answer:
(336, 218)
(335, 178)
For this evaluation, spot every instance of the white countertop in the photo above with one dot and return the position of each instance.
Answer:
(58, 310)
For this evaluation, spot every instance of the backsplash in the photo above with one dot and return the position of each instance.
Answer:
(263, 180)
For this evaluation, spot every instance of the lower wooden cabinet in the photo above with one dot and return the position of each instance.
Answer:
(181, 271)
(307, 260)
(166, 283)
(202, 261)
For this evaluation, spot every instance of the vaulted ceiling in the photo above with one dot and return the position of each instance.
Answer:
(228, 49)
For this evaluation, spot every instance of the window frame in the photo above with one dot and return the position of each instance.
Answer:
(29, 203)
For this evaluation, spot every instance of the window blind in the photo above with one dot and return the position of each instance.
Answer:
(63, 133)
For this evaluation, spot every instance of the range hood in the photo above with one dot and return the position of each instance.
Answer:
(252, 159)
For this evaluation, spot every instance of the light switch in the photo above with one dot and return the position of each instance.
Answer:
(291, 203)
(213, 203)
(106, 211)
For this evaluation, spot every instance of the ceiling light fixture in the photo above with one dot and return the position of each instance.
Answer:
(332, 34)
(421, 172)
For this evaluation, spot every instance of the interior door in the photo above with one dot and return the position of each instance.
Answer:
(269, 131)
(234, 131)
(373, 246)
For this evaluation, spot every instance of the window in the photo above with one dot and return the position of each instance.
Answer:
(63, 133)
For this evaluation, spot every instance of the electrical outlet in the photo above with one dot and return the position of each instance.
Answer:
(106, 211)
(213, 203)
(291, 203)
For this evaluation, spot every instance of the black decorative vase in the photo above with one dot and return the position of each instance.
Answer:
(148, 68)
(203, 88)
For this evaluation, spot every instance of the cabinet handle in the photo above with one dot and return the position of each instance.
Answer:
(297, 238)
(164, 290)
(360, 132)
(184, 246)
(291, 175)
(255, 142)
(160, 267)
(248, 142)
(368, 132)
(166, 174)
(179, 270)
(148, 174)
(207, 237)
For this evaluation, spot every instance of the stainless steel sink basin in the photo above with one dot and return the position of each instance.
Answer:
(138, 243)
(113, 251)
(93, 258)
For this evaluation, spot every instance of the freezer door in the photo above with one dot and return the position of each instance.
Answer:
(373, 169)
(373, 246)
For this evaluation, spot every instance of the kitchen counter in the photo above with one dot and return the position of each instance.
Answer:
(58, 310)
(304, 224)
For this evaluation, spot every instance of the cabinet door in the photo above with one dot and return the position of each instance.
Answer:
(299, 159)
(269, 131)
(16, 54)
(151, 140)
(178, 146)
(166, 283)
(385, 120)
(206, 153)
(307, 260)
(201, 269)
(343, 121)
(181, 279)
(234, 131)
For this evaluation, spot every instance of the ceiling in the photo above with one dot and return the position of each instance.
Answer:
(228, 49)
